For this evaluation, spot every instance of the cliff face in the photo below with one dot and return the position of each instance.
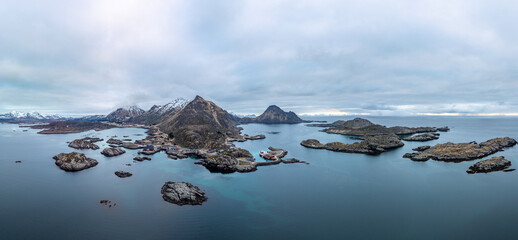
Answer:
(200, 124)
(274, 114)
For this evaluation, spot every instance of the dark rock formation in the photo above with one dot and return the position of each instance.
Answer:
(312, 143)
(85, 143)
(443, 129)
(111, 152)
(370, 145)
(420, 148)
(123, 174)
(490, 165)
(292, 160)
(422, 137)
(458, 152)
(201, 124)
(140, 159)
(274, 114)
(74, 161)
(62, 127)
(183, 193)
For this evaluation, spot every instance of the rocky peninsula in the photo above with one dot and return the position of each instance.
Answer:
(183, 193)
(74, 161)
(490, 165)
(458, 152)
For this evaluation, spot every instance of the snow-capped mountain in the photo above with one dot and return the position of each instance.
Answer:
(157, 113)
(125, 114)
(28, 116)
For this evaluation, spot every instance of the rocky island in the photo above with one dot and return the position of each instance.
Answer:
(369, 145)
(74, 161)
(85, 143)
(183, 193)
(458, 152)
(71, 126)
(490, 165)
(112, 152)
(364, 127)
(123, 174)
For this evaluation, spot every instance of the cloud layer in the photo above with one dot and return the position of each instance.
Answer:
(313, 57)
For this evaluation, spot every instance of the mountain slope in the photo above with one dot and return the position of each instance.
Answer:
(200, 124)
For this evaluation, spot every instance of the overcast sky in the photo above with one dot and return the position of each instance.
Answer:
(312, 57)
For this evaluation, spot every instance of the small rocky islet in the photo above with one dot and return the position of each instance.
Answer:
(123, 174)
(74, 161)
(490, 165)
(182, 193)
(85, 143)
(112, 152)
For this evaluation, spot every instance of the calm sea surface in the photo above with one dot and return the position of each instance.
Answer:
(337, 196)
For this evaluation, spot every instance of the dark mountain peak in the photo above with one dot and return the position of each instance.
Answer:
(275, 114)
(201, 124)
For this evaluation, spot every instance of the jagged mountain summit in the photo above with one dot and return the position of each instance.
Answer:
(28, 116)
(157, 114)
(274, 114)
(124, 114)
(201, 124)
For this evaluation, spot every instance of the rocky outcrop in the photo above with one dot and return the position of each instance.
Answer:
(201, 124)
(140, 159)
(130, 145)
(421, 148)
(182, 193)
(85, 143)
(422, 137)
(312, 143)
(443, 129)
(112, 152)
(458, 152)
(123, 174)
(114, 141)
(274, 114)
(490, 165)
(370, 145)
(74, 161)
(229, 161)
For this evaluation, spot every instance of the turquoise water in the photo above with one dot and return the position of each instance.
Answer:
(337, 196)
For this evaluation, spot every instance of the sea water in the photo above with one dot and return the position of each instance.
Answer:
(336, 196)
